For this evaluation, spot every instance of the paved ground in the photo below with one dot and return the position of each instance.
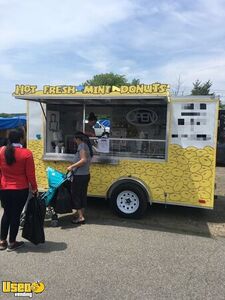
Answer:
(116, 260)
(172, 253)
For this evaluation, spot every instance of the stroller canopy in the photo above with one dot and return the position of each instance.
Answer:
(55, 179)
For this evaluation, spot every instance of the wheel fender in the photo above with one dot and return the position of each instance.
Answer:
(137, 182)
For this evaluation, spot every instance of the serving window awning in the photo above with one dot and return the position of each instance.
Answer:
(98, 99)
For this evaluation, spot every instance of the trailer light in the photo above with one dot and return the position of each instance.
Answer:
(201, 201)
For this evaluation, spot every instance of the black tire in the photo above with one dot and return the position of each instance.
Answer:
(55, 220)
(128, 200)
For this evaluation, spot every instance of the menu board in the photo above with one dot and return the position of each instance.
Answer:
(193, 124)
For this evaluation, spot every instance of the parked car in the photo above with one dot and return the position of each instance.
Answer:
(220, 154)
(100, 129)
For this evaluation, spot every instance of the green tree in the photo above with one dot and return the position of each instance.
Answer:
(107, 79)
(110, 79)
(221, 105)
(6, 115)
(201, 88)
(135, 81)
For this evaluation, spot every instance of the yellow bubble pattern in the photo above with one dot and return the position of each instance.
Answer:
(187, 177)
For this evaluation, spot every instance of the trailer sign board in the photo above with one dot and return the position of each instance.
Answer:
(145, 89)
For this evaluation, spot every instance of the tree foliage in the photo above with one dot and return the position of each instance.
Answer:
(200, 88)
(110, 79)
(204, 89)
(6, 115)
(135, 81)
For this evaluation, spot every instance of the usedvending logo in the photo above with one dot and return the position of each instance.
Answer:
(22, 289)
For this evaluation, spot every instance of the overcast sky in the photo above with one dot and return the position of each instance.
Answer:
(66, 42)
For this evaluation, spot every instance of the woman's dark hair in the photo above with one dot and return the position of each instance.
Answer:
(14, 136)
(84, 138)
(92, 117)
(80, 135)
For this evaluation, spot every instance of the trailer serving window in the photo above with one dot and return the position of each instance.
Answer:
(62, 121)
(137, 127)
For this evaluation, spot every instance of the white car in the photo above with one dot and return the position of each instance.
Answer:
(100, 129)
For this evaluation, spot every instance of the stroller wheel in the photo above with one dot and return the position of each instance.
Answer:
(22, 219)
(49, 212)
(54, 221)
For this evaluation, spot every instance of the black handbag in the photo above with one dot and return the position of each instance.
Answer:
(33, 229)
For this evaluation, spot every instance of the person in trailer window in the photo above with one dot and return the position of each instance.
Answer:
(81, 176)
(17, 174)
(89, 130)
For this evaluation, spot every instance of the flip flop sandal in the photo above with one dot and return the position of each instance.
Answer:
(78, 222)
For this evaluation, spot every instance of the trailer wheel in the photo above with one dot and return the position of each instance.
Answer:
(128, 200)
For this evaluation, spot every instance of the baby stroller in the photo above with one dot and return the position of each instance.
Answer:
(57, 199)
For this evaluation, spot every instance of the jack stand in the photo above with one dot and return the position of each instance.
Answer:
(165, 195)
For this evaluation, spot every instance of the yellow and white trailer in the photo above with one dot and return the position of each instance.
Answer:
(161, 149)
